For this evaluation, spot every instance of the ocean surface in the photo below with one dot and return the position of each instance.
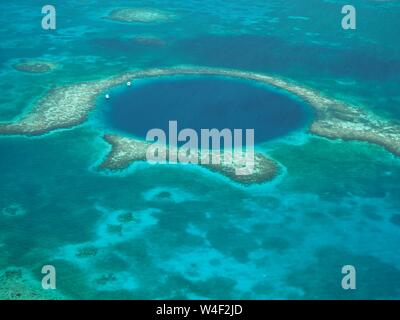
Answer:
(195, 234)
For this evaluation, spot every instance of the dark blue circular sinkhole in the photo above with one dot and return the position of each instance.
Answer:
(204, 103)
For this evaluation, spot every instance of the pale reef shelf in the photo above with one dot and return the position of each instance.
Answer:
(126, 151)
(68, 106)
(141, 15)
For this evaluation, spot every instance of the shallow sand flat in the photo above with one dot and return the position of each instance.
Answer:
(143, 15)
(126, 151)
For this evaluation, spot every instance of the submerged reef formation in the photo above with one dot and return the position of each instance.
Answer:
(85, 252)
(126, 217)
(17, 284)
(338, 121)
(67, 106)
(126, 151)
(35, 66)
(63, 107)
(105, 279)
(13, 210)
(144, 15)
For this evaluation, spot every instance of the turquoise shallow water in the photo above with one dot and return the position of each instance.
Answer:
(194, 233)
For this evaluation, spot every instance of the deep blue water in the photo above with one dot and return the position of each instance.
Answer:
(213, 103)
